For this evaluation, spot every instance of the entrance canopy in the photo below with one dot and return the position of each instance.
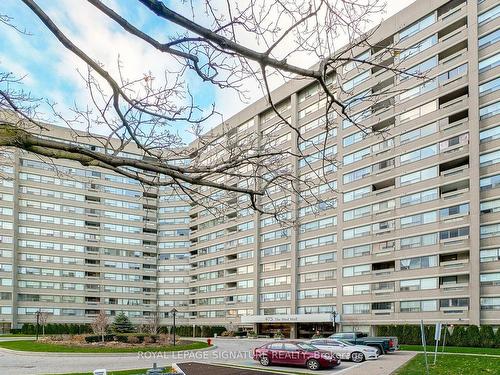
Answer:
(293, 318)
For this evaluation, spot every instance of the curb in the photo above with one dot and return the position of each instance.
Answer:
(76, 354)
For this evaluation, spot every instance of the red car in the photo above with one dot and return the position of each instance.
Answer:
(295, 353)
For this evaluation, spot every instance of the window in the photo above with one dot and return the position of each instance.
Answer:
(489, 87)
(418, 219)
(419, 47)
(418, 90)
(489, 15)
(418, 306)
(489, 39)
(454, 233)
(491, 230)
(490, 158)
(422, 175)
(490, 182)
(362, 269)
(490, 134)
(356, 308)
(353, 82)
(489, 255)
(357, 232)
(491, 279)
(353, 290)
(318, 224)
(359, 193)
(420, 69)
(461, 209)
(357, 174)
(357, 251)
(354, 64)
(417, 26)
(424, 131)
(418, 284)
(491, 303)
(356, 156)
(353, 138)
(419, 154)
(450, 74)
(357, 213)
(317, 242)
(418, 112)
(419, 262)
(489, 63)
(488, 207)
(318, 259)
(420, 197)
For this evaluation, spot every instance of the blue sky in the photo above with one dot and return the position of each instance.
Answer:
(51, 72)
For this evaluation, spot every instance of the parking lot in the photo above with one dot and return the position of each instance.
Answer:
(227, 352)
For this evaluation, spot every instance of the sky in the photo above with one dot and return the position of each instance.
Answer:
(51, 72)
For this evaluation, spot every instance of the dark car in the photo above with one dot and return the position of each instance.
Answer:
(295, 354)
(382, 344)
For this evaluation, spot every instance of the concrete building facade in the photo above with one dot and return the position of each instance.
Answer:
(412, 230)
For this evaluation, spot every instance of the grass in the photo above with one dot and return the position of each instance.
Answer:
(120, 372)
(453, 349)
(34, 346)
(451, 365)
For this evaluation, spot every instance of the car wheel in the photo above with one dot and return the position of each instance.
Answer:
(313, 364)
(379, 351)
(357, 357)
(264, 360)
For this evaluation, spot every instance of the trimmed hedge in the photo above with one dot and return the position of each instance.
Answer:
(471, 336)
(54, 328)
(76, 329)
(201, 331)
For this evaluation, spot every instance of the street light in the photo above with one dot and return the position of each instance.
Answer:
(174, 311)
(38, 312)
(334, 322)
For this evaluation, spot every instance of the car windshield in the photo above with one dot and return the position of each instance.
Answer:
(307, 347)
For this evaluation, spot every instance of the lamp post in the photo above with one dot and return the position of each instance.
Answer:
(334, 322)
(38, 312)
(174, 311)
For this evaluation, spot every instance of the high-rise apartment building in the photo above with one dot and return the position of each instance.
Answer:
(411, 232)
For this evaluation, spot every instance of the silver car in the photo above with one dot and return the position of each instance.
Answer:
(345, 350)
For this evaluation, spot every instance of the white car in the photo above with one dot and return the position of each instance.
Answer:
(345, 350)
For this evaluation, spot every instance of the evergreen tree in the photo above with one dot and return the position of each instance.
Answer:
(122, 324)
(472, 336)
(487, 336)
(497, 338)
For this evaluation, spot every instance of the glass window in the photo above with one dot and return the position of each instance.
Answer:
(490, 158)
(419, 47)
(489, 87)
(417, 26)
(422, 175)
(489, 15)
(489, 63)
(490, 255)
(489, 39)
(424, 131)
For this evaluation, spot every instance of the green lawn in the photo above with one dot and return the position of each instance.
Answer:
(33, 346)
(453, 349)
(121, 372)
(452, 365)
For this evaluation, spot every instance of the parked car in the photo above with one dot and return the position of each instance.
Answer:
(382, 344)
(346, 350)
(296, 354)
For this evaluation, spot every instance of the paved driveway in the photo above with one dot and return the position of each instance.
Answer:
(228, 351)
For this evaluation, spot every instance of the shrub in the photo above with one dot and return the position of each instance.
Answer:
(97, 338)
(120, 338)
(228, 334)
(487, 336)
(150, 339)
(458, 337)
(78, 338)
(472, 336)
(133, 340)
(497, 338)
